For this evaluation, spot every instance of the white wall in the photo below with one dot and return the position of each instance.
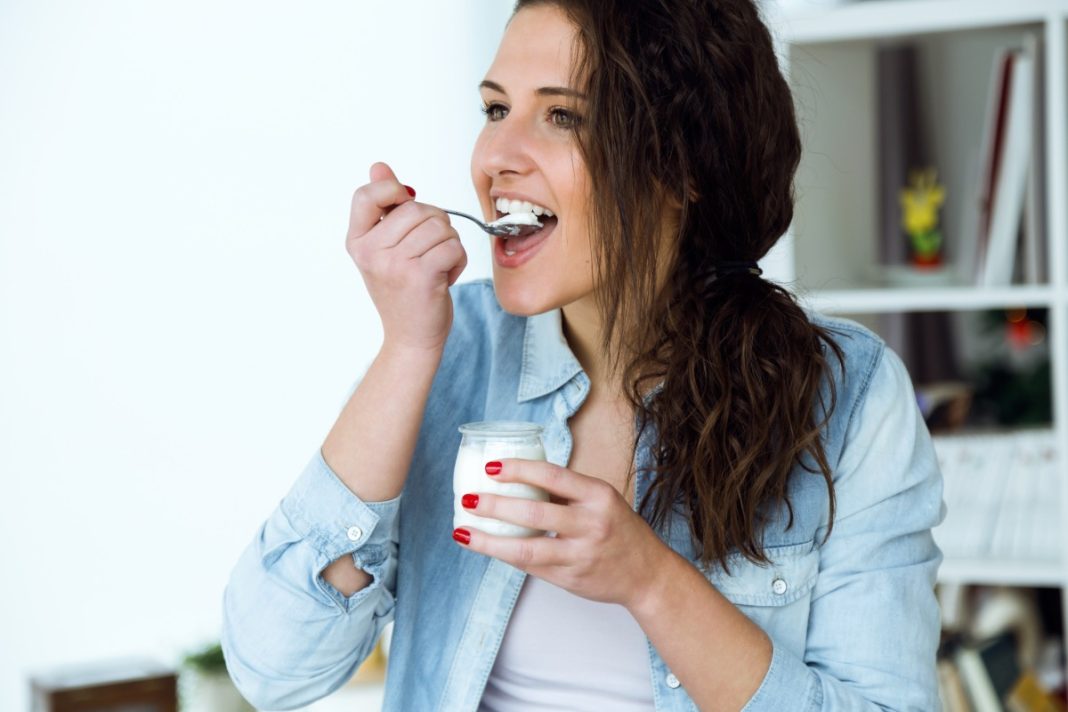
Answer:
(179, 320)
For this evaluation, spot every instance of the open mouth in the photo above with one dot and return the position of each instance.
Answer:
(524, 212)
(515, 244)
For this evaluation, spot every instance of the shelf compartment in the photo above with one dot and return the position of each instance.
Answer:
(996, 572)
(1001, 504)
(837, 233)
(904, 18)
(874, 301)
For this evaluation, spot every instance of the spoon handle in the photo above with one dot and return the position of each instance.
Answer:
(475, 220)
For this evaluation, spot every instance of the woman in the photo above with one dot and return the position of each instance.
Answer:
(742, 494)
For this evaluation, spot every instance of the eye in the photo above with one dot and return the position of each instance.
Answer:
(494, 111)
(564, 118)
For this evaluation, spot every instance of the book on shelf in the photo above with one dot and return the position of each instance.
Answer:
(988, 670)
(951, 688)
(990, 150)
(1000, 650)
(986, 677)
(1011, 199)
(996, 490)
(1034, 229)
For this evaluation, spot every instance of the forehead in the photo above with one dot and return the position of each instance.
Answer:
(537, 47)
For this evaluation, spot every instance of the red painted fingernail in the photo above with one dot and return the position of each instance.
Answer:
(461, 535)
(469, 501)
(493, 468)
(410, 189)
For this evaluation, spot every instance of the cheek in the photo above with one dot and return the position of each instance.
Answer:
(579, 257)
(579, 244)
(577, 241)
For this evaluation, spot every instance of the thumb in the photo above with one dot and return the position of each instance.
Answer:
(381, 171)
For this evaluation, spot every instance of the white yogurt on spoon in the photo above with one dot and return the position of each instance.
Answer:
(517, 219)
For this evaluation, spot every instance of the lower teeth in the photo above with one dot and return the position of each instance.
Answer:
(509, 252)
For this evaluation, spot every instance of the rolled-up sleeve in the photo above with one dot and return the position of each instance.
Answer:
(289, 637)
(874, 621)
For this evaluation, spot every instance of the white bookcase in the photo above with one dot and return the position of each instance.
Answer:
(828, 255)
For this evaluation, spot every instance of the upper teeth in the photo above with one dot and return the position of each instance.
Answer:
(507, 206)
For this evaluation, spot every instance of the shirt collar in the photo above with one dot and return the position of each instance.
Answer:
(548, 362)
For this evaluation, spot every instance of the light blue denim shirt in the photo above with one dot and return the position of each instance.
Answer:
(853, 620)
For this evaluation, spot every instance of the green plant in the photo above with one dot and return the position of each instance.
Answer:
(1014, 387)
(208, 660)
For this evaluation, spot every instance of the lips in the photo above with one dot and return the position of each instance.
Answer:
(524, 248)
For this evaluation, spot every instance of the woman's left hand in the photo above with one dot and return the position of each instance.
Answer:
(603, 550)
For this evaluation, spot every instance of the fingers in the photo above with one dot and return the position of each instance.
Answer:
(430, 227)
(417, 231)
(455, 272)
(525, 512)
(448, 256)
(381, 171)
(521, 552)
(402, 220)
(562, 482)
(372, 201)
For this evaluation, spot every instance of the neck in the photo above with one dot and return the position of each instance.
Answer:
(583, 330)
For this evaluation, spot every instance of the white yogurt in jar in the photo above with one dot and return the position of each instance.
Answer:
(485, 442)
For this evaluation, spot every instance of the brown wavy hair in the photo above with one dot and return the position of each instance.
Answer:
(686, 105)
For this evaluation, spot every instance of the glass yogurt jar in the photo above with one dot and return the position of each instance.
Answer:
(485, 442)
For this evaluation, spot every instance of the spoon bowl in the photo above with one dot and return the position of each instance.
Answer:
(499, 228)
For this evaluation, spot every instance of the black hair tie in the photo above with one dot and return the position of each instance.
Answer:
(727, 268)
(722, 269)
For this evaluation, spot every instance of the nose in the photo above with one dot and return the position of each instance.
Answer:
(506, 147)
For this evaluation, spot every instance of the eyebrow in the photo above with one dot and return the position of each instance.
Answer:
(542, 91)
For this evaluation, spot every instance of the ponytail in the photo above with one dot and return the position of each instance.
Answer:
(739, 408)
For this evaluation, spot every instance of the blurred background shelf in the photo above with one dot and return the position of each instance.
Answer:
(873, 20)
(880, 300)
(1002, 572)
(887, 88)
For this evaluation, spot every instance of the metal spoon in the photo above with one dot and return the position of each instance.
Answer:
(499, 228)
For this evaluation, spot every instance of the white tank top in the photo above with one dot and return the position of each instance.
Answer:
(563, 652)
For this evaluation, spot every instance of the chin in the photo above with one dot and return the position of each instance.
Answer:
(523, 297)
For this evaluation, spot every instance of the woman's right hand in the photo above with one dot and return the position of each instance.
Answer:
(409, 255)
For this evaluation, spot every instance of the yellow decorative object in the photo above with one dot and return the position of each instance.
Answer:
(373, 669)
(920, 202)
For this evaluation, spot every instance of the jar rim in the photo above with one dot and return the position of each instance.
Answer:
(501, 428)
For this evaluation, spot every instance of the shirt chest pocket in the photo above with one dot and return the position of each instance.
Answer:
(775, 596)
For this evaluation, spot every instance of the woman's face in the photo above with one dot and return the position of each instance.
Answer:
(528, 152)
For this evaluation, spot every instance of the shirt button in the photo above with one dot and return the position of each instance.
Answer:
(672, 681)
(354, 533)
(779, 586)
